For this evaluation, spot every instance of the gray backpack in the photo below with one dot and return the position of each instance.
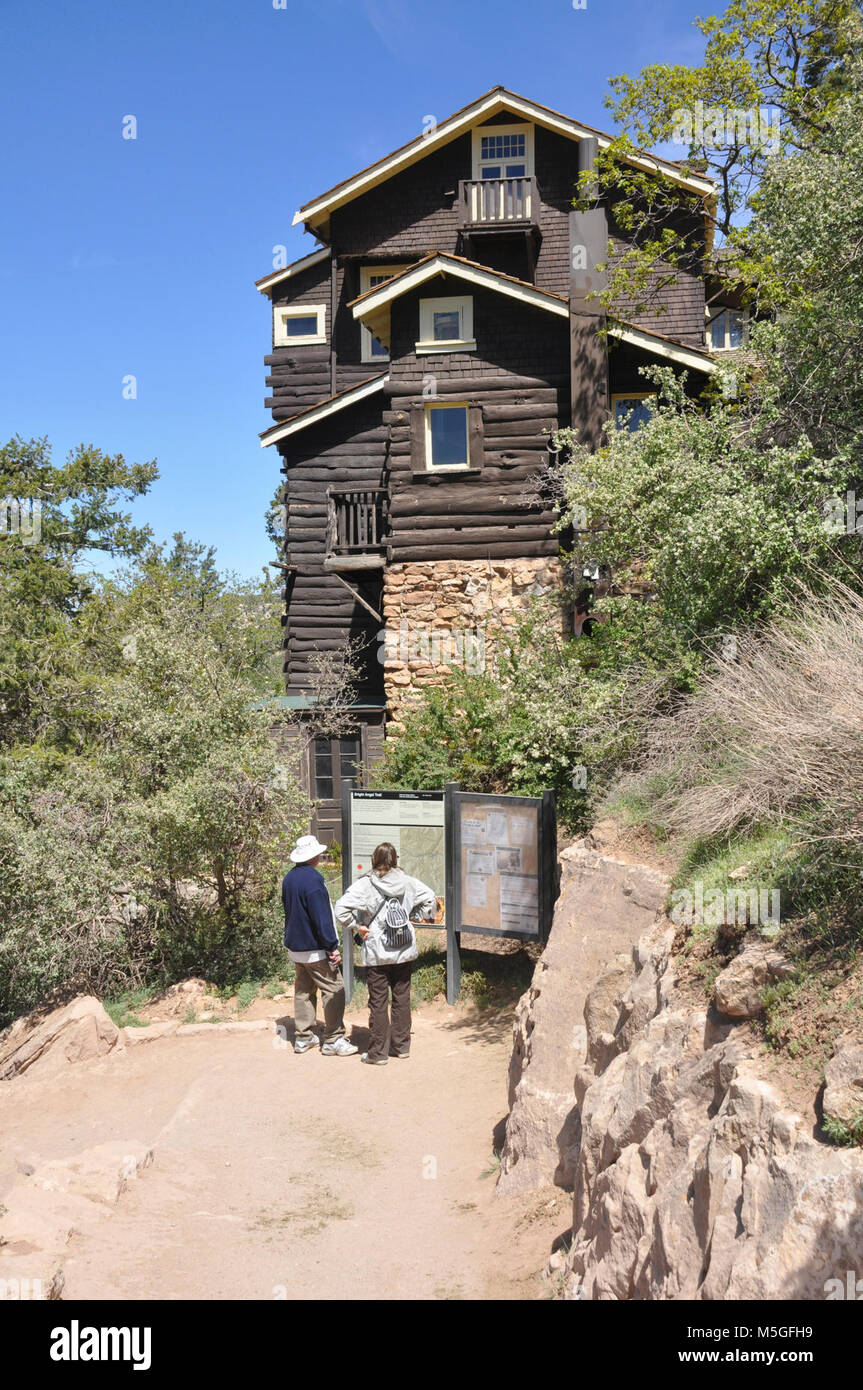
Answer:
(397, 932)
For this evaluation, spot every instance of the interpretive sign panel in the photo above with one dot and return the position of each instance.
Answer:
(502, 853)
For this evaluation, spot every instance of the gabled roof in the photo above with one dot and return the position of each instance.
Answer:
(323, 410)
(372, 306)
(316, 214)
(275, 277)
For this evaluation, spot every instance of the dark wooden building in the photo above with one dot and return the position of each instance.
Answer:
(422, 356)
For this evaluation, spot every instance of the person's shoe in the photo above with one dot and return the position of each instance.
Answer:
(373, 1061)
(401, 1055)
(339, 1048)
(306, 1044)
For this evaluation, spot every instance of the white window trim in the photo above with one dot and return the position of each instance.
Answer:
(479, 131)
(366, 335)
(714, 313)
(283, 312)
(629, 396)
(427, 342)
(446, 467)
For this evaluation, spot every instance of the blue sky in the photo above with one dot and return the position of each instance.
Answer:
(137, 257)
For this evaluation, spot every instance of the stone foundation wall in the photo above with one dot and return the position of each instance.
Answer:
(443, 613)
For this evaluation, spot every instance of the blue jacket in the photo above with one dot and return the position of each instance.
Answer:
(308, 913)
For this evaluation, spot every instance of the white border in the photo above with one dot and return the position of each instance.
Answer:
(281, 312)
(296, 268)
(427, 343)
(524, 129)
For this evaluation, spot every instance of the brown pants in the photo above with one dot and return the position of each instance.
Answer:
(318, 976)
(380, 980)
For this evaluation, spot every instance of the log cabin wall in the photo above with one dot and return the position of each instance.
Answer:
(348, 451)
(300, 375)
(518, 380)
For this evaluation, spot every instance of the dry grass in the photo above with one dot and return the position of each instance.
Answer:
(777, 730)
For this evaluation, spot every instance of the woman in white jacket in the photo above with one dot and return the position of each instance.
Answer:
(364, 908)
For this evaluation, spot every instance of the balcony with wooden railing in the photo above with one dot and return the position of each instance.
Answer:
(491, 204)
(357, 528)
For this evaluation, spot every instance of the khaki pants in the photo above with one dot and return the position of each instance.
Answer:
(318, 976)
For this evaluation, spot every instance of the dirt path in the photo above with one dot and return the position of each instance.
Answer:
(284, 1176)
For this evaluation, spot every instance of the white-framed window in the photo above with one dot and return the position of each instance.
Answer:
(632, 411)
(299, 325)
(447, 435)
(502, 151)
(370, 276)
(727, 329)
(446, 325)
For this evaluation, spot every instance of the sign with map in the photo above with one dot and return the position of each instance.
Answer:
(413, 822)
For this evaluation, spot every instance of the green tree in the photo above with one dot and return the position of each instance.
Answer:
(78, 508)
(768, 86)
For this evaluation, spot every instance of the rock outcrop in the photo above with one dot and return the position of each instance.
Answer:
(78, 1032)
(693, 1177)
(605, 904)
(52, 1201)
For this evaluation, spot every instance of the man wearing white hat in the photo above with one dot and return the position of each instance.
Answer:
(313, 945)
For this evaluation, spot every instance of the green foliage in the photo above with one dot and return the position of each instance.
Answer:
(707, 515)
(849, 1134)
(143, 828)
(789, 62)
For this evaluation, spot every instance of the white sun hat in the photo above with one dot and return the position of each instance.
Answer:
(306, 848)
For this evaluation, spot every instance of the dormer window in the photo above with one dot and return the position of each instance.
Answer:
(446, 325)
(503, 152)
(727, 329)
(299, 326)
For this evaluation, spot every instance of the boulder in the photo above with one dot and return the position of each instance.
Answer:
(843, 1090)
(78, 1032)
(740, 986)
(604, 905)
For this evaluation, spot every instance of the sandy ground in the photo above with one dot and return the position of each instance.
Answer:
(284, 1176)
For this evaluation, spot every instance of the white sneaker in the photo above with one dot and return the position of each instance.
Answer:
(373, 1061)
(306, 1044)
(340, 1048)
